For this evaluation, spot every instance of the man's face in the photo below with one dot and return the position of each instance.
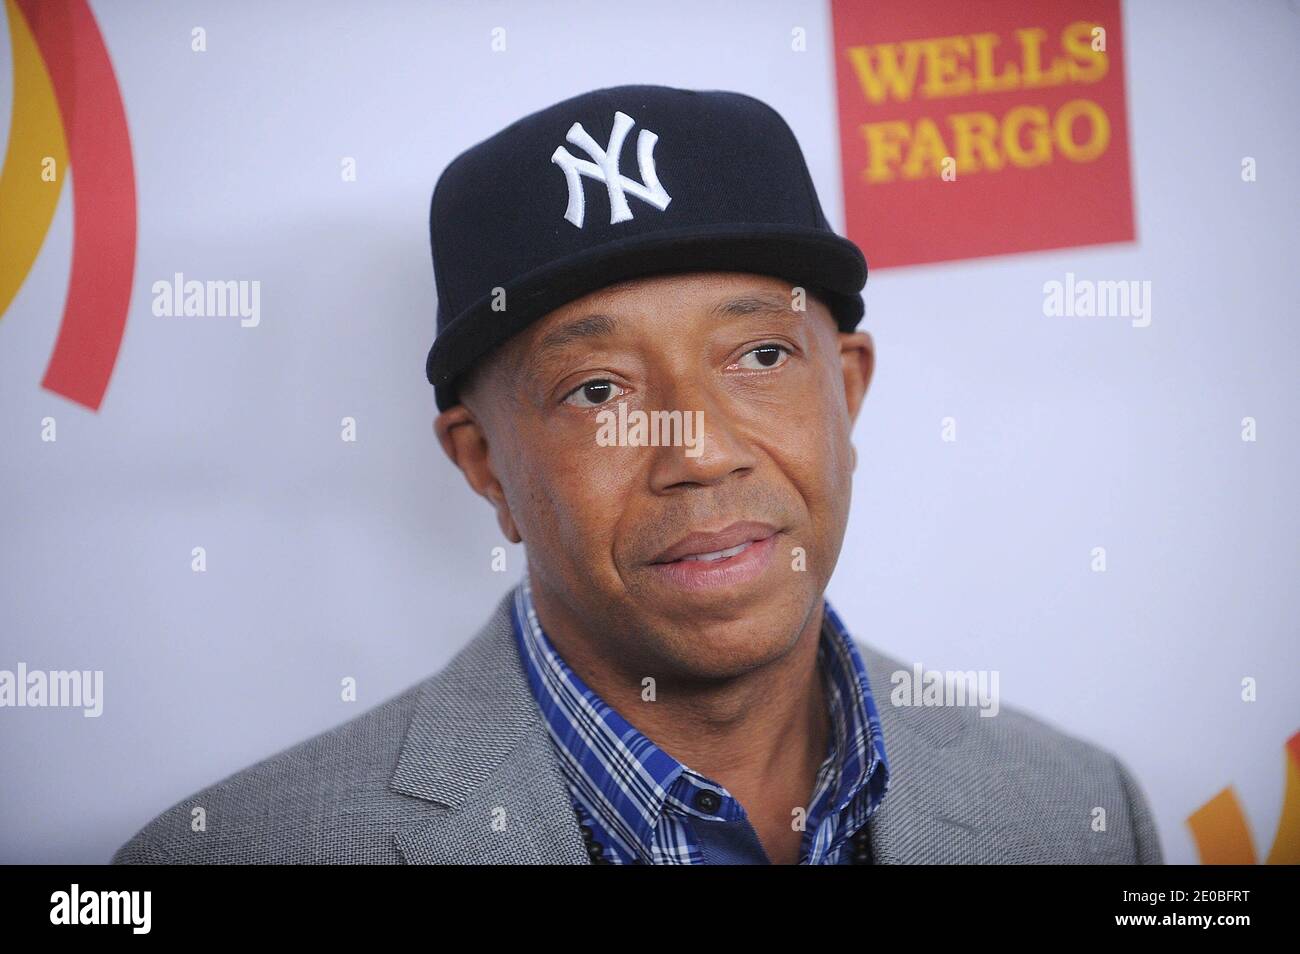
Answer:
(706, 559)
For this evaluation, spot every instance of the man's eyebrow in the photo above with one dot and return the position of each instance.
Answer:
(755, 304)
(603, 326)
(588, 326)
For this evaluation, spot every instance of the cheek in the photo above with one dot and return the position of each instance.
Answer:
(816, 453)
(837, 459)
(837, 427)
(813, 427)
(574, 502)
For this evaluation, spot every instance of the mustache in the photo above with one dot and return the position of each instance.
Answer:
(683, 516)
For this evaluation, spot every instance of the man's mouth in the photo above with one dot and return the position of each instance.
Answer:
(718, 545)
(716, 554)
(731, 557)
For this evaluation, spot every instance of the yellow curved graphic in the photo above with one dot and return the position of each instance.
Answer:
(1222, 835)
(27, 196)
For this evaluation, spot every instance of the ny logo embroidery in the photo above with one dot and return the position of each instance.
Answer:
(604, 168)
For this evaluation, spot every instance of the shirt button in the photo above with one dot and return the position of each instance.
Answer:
(707, 801)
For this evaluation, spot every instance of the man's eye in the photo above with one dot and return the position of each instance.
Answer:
(766, 356)
(592, 393)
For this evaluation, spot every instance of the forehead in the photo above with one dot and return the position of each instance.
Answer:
(683, 291)
(706, 294)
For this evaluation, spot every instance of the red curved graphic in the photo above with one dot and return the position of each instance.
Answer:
(103, 193)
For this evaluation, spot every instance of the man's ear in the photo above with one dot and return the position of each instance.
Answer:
(858, 359)
(464, 440)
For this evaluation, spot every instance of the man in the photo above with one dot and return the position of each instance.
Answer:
(653, 379)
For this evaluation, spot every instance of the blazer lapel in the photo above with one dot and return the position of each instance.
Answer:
(947, 802)
(476, 749)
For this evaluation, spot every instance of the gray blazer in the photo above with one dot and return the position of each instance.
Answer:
(460, 769)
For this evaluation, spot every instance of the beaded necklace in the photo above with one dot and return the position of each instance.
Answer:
(859, 846)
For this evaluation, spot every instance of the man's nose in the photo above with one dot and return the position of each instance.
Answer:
(714, 443)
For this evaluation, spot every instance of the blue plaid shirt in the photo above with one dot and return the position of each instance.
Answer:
(640, 802)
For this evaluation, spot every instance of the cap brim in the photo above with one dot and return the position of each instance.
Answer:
(817, 259)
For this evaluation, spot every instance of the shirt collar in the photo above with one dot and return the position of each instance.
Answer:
(623, 778)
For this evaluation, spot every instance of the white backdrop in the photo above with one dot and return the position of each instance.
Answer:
(371, 559)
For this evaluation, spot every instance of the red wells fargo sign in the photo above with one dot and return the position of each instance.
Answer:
(979, 128)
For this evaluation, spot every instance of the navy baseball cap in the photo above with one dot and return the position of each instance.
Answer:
(615, 184)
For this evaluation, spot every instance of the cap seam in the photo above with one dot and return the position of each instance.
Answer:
(814, 235)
